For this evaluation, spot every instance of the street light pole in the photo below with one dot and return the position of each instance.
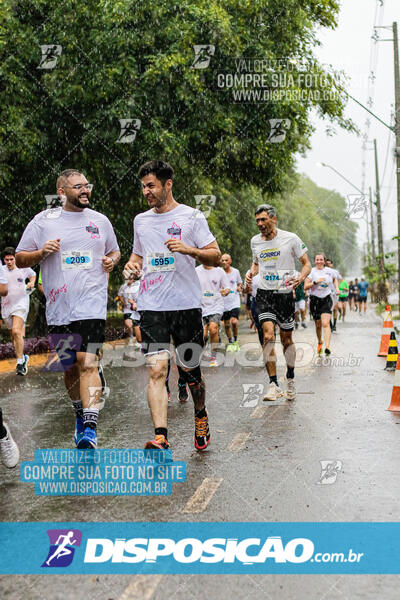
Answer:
(381, 258)
(397, 134)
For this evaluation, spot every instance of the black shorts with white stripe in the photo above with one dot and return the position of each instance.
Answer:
(276, 307)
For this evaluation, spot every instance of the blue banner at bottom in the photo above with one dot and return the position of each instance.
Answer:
(208, 548)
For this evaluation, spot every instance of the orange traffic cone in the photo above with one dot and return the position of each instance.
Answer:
(395, 400)
(387, 329)
(393, 353)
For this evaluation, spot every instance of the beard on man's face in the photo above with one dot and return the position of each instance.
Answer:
(81, 201)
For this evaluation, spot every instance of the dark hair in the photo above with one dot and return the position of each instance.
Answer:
(63, 176)
(160, 169)
(326, 259)
(268, 208)
(9, 251)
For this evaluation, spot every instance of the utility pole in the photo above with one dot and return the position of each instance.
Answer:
(371, 214)
(397, 134)
(381, 259)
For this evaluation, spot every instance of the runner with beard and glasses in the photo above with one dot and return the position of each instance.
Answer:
(77, 249)
(168, 238)
(274, 252)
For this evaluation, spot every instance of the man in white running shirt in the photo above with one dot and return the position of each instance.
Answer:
(77, 248)
(231, 303)
(214, 286)
(128, 293)
(168, 239)
(15, 306)
(274, 252)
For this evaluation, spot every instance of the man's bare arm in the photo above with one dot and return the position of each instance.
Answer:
(209, 255)
(28, 259)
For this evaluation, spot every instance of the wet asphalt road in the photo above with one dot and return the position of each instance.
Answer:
(265, 458)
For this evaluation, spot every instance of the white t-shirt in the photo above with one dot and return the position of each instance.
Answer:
(232, 300)
(130, 293)
(338, 276)
(17, 299)
(74, 282)
(323, 289)
(169, 279)
(276, 260)
(3, 276)
(211, 281)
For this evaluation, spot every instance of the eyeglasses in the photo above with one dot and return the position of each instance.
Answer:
(80, 186)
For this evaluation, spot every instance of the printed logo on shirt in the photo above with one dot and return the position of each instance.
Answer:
(93, 230)
(20, 279)
(269, 254)
(175, 232)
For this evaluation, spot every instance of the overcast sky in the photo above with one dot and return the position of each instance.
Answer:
(349, 47)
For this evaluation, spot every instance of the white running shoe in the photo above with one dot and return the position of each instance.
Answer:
(9, 450)
(290, 389)
(274, 392)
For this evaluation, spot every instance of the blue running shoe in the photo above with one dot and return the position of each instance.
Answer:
(79, 428)
(88, 439)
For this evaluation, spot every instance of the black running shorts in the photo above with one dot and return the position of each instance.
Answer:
(228, 314)
(185, 327)
(319, 306)
(87, 335)
(275, 307)
(214, 318)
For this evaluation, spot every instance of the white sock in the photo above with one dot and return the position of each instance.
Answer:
(20, 361)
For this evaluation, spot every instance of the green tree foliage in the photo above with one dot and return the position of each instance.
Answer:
(130, 59)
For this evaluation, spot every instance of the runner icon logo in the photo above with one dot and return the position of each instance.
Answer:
(129, 129)
(252, 394)
(279, 128)
(329, 471)
(204, 204)
(203, 54)
(62, 547)
(50, 54)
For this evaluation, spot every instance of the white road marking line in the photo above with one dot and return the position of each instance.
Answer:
(258, 412)
(238, 441)
(202, 496)
(142, 587)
